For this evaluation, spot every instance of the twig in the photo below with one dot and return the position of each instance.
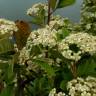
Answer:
(74, 69)
(49, 9)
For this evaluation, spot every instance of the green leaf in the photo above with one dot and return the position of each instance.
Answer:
(40, 84)
(36, 50)
(64, 3)
(5, 45)
(63, 84)
(53, 4)
(64, 32)
(36, 21)
(87, 67)
(10, 72)
(40, 19)
(46, 67)
(3, 66)
(8, 91)
(7, 70)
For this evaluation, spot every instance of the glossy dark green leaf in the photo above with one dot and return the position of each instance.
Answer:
(87, 68)
(64, 3)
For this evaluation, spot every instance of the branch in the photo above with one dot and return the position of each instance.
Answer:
(49, 9)
(73, 68)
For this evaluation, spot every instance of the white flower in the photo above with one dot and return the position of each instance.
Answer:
(24, 56)
(80, 86)
(88, 16)
(72, 91)
(7, 26)
(54, 23)
(44, 36)
(85, 94)
(57, 22)
(36, 8)
(53, 93)
(60, 94)
(88, 26)
(84, 42)
(58, 60)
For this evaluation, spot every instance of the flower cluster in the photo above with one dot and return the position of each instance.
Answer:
(74, 45)
(24, 56)
(44, 36)
(57, 22)
(53, 93)
(7, 26)
(88, 16)
(82, 87)
(37, 8)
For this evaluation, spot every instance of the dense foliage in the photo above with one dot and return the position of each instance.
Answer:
(88, 18)
(56, 59)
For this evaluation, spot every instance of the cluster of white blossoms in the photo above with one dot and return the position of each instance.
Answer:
(82, 87)
(24, 56)
(56, 22)
(88, 16)
(7, 26)
(37, 8)
(44, 36)
(53, 93)
(84, 42)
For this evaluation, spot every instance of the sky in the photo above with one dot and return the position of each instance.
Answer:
(16, 9)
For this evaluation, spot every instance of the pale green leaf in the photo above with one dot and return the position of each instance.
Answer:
(53, 4)
(5, 45)
(64, 3)
(46, 67)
